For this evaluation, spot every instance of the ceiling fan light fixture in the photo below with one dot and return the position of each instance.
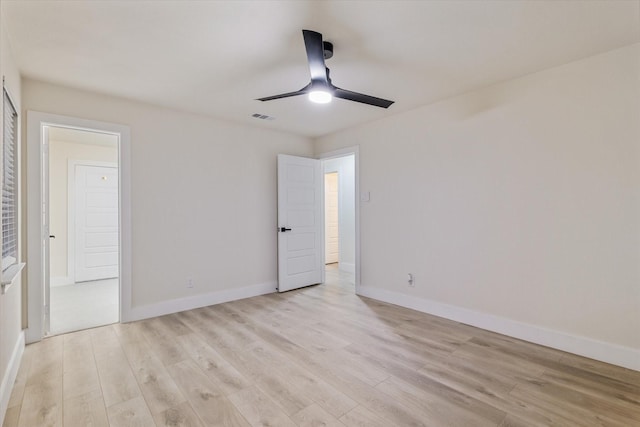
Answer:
(320, 96)
(320, 89)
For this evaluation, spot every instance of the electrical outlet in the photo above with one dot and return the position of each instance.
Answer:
(410, 280)
(189, 282)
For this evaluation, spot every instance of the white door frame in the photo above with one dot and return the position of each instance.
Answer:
(36, 276)
(343, 152)
(71, 210)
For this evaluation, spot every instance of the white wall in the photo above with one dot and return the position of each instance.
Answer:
(11, 336)
(345, 166)
(203, 198)
(60, 152)
(516, 207)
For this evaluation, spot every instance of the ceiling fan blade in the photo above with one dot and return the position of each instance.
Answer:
(286, 95)
(359, 97)
(315, 55)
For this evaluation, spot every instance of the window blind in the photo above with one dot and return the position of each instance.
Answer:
(9, 184)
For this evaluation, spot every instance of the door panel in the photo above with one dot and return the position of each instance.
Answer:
(96, 191)
(300, 210)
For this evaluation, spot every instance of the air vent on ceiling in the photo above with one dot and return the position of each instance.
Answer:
(262, 116)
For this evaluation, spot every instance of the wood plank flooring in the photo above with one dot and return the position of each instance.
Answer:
(319, 356)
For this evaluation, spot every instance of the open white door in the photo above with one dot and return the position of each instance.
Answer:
(300, 239)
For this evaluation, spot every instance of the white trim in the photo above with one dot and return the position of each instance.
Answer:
(71, 210)
(35, 287)
(10, 375)
(347, 151)
(8, 262)
(10, 275)
(606, 352)
(202, 300)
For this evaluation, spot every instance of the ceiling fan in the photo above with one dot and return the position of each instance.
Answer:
(320, 89)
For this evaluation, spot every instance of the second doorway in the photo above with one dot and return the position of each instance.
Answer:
(84, 233)
(340, 217)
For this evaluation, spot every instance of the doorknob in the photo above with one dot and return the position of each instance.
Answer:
(51, 236)
(283, 229)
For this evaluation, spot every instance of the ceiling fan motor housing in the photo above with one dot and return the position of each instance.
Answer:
(328, 49)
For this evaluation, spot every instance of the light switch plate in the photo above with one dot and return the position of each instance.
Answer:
(365, 196)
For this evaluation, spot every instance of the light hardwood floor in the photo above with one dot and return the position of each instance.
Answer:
(319, 356)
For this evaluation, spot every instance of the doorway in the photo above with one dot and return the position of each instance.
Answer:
(83, 226)
(301, 221)
(40, 235)
(340, 220)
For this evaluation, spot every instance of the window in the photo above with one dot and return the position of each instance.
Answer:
(9, 183)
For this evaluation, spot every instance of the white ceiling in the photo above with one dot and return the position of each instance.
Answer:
(216, 57)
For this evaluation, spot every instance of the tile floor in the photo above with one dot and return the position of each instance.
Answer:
(83, 305)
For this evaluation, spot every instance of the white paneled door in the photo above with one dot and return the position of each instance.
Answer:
(96, 192)
(299, 222)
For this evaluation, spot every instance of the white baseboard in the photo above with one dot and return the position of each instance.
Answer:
(626, 357)
(348, 267)
(10, 375)
(61, 281)
(197, 301)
